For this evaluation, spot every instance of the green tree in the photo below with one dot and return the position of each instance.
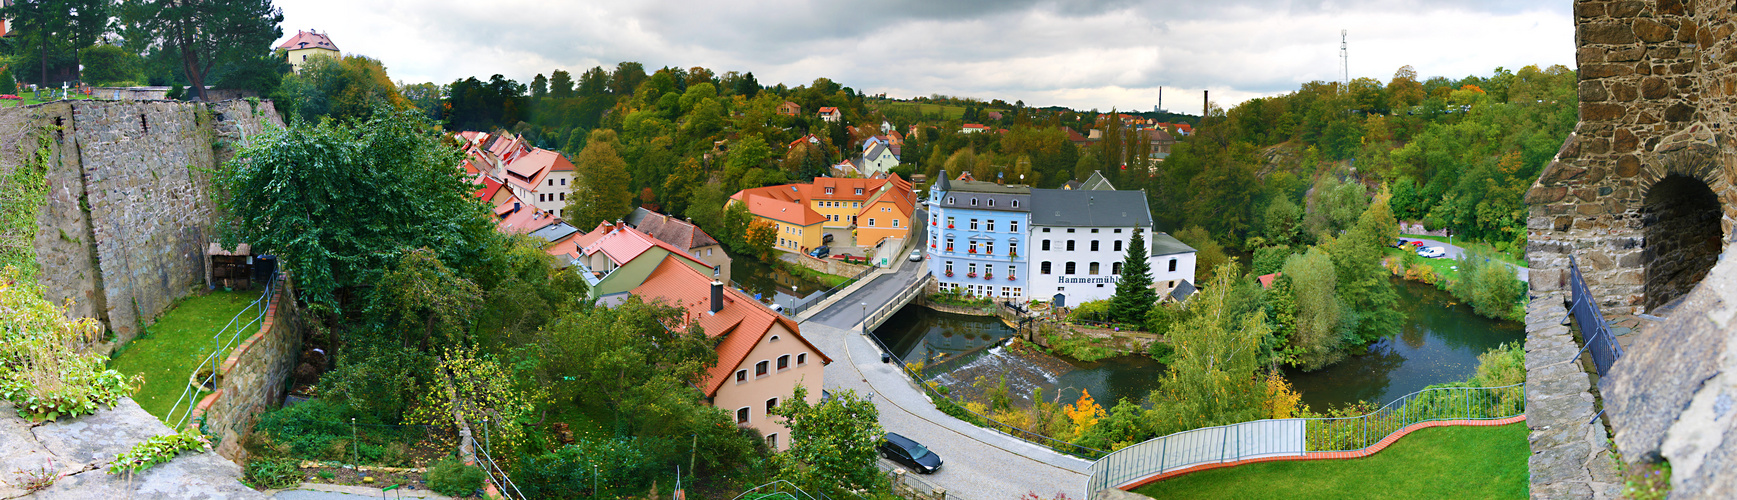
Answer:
(1214, 377)
(539, 86)
(1316, 338)
(743, 169)
(1282, 224)
(425, 302)
(350, 88)
(108, 64)
(832, 444)
(208, 33)
(57, 27)
(629, 360)
(1208, 253)
(1370, 309)
(560, 84)
(1134, 293)
(7, 84)
(338, 217)
(602, 190)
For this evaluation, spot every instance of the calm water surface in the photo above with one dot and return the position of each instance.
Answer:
(773, 285)
(1440, 343)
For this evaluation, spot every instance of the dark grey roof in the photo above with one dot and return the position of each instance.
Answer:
(1097, 182)
(1006, 198)
(1071, 185)
(638, 214)
(1165, 244)
(556, 231)
(1086, 208)
(874, 151)
(1182, 291)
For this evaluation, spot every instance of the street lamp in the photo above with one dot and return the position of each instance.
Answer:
(864, 318)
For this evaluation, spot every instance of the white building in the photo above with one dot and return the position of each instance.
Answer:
(1079, 239)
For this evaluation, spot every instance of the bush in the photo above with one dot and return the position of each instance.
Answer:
(1491, 287)
(273, 473)
(320, 430)
(622, 464)
(452, 478)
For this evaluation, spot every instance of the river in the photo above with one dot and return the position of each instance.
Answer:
(1439, 343)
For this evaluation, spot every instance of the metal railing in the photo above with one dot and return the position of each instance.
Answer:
(1297, 437)
(880, 314)
(1584, 308)
(799, 309)
(196, 385)
(956, 408)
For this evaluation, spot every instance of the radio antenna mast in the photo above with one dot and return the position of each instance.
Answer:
(1344, 62)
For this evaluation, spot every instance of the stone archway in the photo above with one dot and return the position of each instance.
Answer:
(1681, 225)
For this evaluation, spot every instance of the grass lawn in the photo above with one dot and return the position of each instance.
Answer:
(30, 99)
(830, 280)
(168, 352)
(946, 112)
(1444, 268)
(1439, 462)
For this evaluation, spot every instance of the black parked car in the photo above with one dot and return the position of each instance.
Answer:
(907, 452)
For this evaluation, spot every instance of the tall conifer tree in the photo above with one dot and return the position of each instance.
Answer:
(1134, 293)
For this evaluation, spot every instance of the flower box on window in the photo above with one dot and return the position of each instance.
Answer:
(973, 250)
(1012, 278)
(971, 275)
(988, 276)
(949, 274)
(931, 245)
(949, 226)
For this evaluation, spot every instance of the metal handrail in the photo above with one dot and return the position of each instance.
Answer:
(190, 393)
(829, 292)
(505, 481)
(1593, 329)
(1300, 436)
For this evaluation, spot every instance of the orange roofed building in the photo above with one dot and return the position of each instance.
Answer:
(875, 208)
(762, 355)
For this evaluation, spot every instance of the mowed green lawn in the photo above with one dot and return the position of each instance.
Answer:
(170, 349)
(1439, 462)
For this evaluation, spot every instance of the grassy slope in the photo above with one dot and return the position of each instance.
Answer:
(1441, 462)
(170, 349)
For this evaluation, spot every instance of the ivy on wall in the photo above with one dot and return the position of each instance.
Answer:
(23, 193)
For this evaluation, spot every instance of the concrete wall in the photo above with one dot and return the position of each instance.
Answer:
(252, 379)
(831, 266)
(129, 211)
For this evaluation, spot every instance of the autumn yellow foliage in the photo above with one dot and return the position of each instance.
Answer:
(1083, 413)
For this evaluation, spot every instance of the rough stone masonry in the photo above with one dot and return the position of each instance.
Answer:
(1642, 195)
(129, 211)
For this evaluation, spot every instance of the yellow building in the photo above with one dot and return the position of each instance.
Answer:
(799, 226)
(875, 208)
(308, 44)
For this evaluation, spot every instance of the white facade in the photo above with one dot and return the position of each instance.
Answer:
(1082, 264)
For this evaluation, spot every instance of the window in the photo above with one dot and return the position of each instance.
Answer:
(949, 267)
(858, 190)
(771, 404)
(1046, 229)
(1094, 230)
(1042, 268)
(1116, 268)
(871, 222)
(949, 200)
(973, 247)
(742, 415)
(1070, 245)
(1118, 230)
(784, 362)
(1013, 248)
(563, 181)
(563, 196)
(828, 190)
(1173, 265)
(1017, 293)
(1006, 292)
(989, 225)
(1016, 205)
(973, 202)
(1012, 272)
(989, 247)
(1013, 226)
(709, 252)
(741, 376)
(973, 224)
(1069, 268)
(1046, 244)
(1070, 230)
(971, 268)
(949, 223)
(1118, 245)
(1094, 244)
(950, 245)
(760, 368)
(801, 359)
(1092, 268)
(772, 440)
(551, 182)
(895, 223)
(992, 202)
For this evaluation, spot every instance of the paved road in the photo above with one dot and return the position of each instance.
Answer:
(1453, 252)
(980, 464)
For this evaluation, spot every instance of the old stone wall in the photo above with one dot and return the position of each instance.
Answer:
(252, 379)
(129, 211)
(1656, 87)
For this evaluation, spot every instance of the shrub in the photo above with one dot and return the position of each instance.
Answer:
(622, 464)
(273, 473)
(41, 372)
(452, 478)
(156, 450)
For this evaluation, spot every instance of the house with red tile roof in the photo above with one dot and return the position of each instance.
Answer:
(517, 217)
(810, 138)
(619, 257)
(876, 208)
(534, 175)
(305, 44)
(762, 354)
(972, 128)
(831, 114)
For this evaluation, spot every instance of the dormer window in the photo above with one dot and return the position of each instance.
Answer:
(828, 190)
(949, 200)
(1016, 203)
(973, 202)
(992, 202)
(859, 191)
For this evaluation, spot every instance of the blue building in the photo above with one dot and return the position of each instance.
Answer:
(977, 237)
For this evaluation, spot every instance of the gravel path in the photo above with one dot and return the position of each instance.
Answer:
(980, 464)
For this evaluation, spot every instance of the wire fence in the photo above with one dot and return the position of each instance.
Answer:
(204, 377)
(1298, 437)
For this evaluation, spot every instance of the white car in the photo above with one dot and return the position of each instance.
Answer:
(1432, 252)
(916, 255)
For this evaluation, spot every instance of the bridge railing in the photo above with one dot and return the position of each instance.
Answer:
(1298, 437)
(817, 299)
(1593, 329)
(880, 314)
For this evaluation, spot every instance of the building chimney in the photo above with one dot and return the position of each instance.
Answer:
(717, 290)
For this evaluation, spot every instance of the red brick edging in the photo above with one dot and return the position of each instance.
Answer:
(1326, 455)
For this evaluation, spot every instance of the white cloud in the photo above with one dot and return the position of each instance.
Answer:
(1080, 54)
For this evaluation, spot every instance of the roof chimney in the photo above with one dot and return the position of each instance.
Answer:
(717, 290)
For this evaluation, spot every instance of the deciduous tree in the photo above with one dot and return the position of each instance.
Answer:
(602, 190)
(208, 33)
(832, 444)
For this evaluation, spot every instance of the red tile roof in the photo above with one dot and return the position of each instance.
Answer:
(308, 40)
(1267, 279)
(489, 186)
(976, 126)
(622, 244)
(828, 110)
(523, 220)
(742, 322)
(676, 232)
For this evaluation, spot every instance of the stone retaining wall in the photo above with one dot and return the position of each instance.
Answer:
(1571, 457)
(129, 212)
(831, 266)
(251, 380)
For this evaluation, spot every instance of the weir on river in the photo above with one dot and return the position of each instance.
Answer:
(1439, 343)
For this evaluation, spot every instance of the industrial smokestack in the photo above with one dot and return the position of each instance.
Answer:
(1205, 102)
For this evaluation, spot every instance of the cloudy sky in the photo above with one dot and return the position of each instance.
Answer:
(1078, 53)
